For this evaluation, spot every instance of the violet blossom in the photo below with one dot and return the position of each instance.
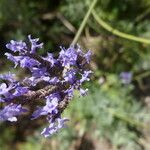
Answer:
(126, 77)
(52, 81)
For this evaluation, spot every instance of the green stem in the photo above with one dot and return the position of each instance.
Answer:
(116, 32)
(140, 17)
(142, 75)
(83, 23)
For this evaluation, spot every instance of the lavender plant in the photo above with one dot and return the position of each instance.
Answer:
(48, 89)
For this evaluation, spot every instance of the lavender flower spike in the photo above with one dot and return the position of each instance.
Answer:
(50, 85)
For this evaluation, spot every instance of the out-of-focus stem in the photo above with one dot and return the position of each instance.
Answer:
(142, 75)
(83, 23)
(118, 33)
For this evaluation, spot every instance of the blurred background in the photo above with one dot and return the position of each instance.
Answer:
(115, 115)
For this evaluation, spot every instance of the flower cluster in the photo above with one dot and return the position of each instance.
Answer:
(50, 86)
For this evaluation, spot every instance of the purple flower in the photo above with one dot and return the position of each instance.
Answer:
(126, 77)
(4, 90)
(34, 44)
(83, 92)
(69, 92)
(20, 91)
(27, 62)
(14, 59)
(49, 130)
(79, 50)
(39, 112)
(9, 76)
(50, 84)
(88, 56)
(17, 46)
(7, 92)
(30, 81)
(51, 59)
(54, 127)
(10, 112)
(85, 76)
(54, 80)
(50, 107)
(68, 56)
(55, 95)
(70, 76)
(1, 100)
(38, 72)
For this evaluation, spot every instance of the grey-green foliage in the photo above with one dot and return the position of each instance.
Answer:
(116, 114)
(74, 11)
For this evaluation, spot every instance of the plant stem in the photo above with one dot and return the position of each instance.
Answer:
(83, 23)
(142, 75)
(140, 17)
(118, 33)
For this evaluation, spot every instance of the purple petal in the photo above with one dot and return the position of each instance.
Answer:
(10, 112)
(34, 44)
(17, 46)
